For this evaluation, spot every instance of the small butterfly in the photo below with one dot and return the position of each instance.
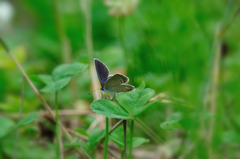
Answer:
(111, 84)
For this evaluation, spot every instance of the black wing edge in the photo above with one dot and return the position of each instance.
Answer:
(102, 71)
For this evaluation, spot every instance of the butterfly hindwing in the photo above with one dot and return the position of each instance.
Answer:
(122, 88)
(102, 71)
(115, 80)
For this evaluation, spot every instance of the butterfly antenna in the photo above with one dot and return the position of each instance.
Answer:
(93, 91)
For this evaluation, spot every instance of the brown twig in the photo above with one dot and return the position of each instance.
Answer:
(80, 136)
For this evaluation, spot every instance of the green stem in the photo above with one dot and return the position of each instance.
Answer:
(121, 24)
(122, 154)
(0, 151)
(57, 126)
(125, 139)
(106, 140)
(131, 138)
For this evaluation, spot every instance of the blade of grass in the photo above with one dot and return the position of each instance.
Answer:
(106, 139)
(19, 119)
(57, 127)
(86, 9)
(131, 138)
(125, 139)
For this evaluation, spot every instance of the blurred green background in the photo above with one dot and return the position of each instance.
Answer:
(172, 46)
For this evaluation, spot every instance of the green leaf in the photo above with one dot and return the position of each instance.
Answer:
(68, 70)
(47, 79)
(95, 136)
(172, 122)
(61, 83)
(134, 100)
(117, 137)
(230, 136)
(175, 117)
(140, 110)
(6, 125)
(109, 109)
(28, 119)
(21, 123)
(142, 86)
(170, 125)
(138, 141)
(86, 149)
(60, 76)
(74, 144)
(56, 86)
(50, 88)
(82, 131)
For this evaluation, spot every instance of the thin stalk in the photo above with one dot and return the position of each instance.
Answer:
(106, 139)
(65, 44)
(121, 24)
(110, 131)
(225, 28)
(124, 155)
(57, 127)
(131, 138)
(86, 6)
(19, 118)
(0, 151)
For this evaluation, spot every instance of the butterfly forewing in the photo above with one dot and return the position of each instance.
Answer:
(102, 71)
(115, 80)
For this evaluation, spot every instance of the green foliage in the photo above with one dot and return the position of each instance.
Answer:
(173, 53)
(6, 125)
(109, 109)
(117, 137)
(74, 145)
(94, 137)
(61, 76)
(172, 122)
(131, 104)
(28, 119)
(9, 127)
(68, 70)
(54, 86)
(135, 101)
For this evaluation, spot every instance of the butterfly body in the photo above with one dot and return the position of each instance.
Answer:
(111, 84)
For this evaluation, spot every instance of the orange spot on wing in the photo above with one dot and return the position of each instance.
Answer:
(128, 90)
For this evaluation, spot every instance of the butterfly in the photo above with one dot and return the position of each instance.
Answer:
(111, 84)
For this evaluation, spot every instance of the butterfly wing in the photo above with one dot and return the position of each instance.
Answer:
(102, 71)
(115, 80)
(122, 88)
(116, 83)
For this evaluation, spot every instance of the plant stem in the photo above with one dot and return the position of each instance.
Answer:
(131, 138)
(0, 151)
(125, 139)
(121, 23)
(122, 154)
(57, 126)
(86, 6)
(106, 140)
(19, 118)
